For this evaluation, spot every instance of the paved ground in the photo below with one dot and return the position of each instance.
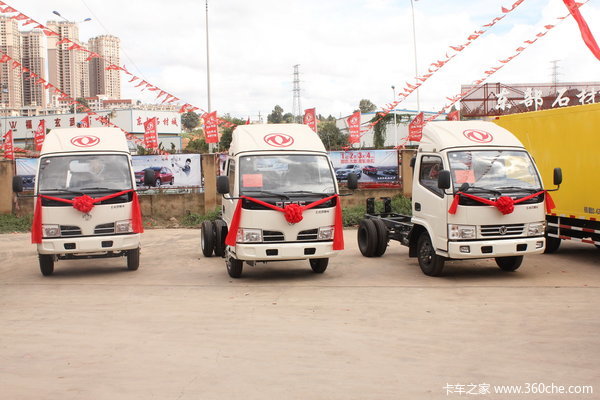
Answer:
(180, 328)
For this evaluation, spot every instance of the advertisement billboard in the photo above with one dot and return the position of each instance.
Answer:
(373, 167)
(171, 170)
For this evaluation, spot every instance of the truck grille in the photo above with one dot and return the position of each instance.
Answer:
(502, 230)
(273, 236)
(104, 229)
(310, 234)
(70, 230)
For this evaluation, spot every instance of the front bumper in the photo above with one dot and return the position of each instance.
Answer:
(497, 248)
(284, 251)
(89, 244)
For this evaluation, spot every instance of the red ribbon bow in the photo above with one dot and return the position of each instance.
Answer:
(292, 214)
(505, 205)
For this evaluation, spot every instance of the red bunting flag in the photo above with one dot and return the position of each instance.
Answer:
(210, 127)
(354, 127)
(150, 135)
(310, 119)
(415, 128)
(586, 34)
(9, 151)
(453, 116)
(40, 135)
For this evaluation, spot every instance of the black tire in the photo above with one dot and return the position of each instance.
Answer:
(431, 264)
(207, 238)
(133, 259)
(172, 181)
(234, 267)
(367, 237)
(319, 265)
(552, 244)
(157, 183)
(509, 263)
(220, 235)
(382, 237)
(46, 264)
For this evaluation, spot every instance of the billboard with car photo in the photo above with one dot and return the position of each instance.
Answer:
(173, 170)
(373, 167)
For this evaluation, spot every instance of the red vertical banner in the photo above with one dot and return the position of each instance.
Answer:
(9, 151)
(415, 128)
(150, 136)
(453, 116)
(210, 127)
(40, 135)
(354, 127)
(84, 123)
(310, 119)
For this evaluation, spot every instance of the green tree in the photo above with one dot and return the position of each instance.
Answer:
(288, 118)
(365, 106)
(197, 146)
(227, 133)
(276, 116)
(190, 120)
(379, 130)
(331, 136)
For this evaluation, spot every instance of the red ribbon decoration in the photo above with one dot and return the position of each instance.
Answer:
(586, 34)
(505, 205)
(293, 214)
(84, 204)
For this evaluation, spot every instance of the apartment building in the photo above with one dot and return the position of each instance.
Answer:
(11, 85)
(33, 44)
(103, 82)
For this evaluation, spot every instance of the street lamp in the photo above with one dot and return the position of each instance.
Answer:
(58, 14)
(211, 146)
(412, 6)
(395, 125)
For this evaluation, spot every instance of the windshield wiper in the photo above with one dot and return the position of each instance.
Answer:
(280, 195)
(466, 186)
(519, 188)
(309, 192)
(102, 189)
(61, 191)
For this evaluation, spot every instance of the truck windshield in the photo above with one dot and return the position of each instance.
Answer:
(498, 170)
(84, 173)
(285, 175)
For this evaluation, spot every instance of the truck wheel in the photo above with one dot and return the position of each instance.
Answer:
(234, 267)
(207, 238)
(319, 265)
(509, 263)
(220, 234)
(431, 264)
(552, 244)
(157, 183)
(46, 264)
(133, 259)
(367, 237)
(382, 237)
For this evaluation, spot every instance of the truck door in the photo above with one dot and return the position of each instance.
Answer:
(429, 203)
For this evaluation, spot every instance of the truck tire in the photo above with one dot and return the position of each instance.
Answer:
(207, 238)
(234, 267)
(220, 234)
(431, 264)
(382, 237)
(552, 244)
(367, 237)
(319, 265)
(157, 183)
(509, 263)
(133, 259)
(46, 264)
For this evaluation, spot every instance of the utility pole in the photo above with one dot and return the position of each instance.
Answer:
(211, 146)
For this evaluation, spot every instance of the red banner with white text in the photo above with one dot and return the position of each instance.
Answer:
(40, 135)
(9, 151)
(415, 128)
(210, 127)
(354, 127)
(150, 136)
(310, 119)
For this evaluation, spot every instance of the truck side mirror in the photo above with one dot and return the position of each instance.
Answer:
(222, 185)
(352, 181)
(444, 179)
(149, 176)
(17, 184)
(557, 176)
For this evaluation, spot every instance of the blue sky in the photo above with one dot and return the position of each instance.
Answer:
(347, 50)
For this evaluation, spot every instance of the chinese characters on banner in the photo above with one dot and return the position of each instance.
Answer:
(150, 136)
(9, 151)
(415, 128)
(84, 123)
(310, 119)
(40, 135)
(210, 127)
(354, 127)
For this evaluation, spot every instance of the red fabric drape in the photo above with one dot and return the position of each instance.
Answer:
(293, 214)
(85, 204)
(586, 34)
(504, 204)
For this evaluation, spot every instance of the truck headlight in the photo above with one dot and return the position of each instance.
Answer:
(245, 235)
(51, 230)
(325, 233)
(536, 228)
(124, 226)
(461, 231)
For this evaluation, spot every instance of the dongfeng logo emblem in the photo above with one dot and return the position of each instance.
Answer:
(503, 230)
(478, 136)
(279, 140)
(85, 141)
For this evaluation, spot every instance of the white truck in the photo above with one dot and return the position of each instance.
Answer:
(476, 194)
(280, 200)
(86, 204)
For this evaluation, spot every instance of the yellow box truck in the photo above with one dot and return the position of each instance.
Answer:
(568, 138)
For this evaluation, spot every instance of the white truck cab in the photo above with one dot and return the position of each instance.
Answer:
(280, 200)
(86, 205)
